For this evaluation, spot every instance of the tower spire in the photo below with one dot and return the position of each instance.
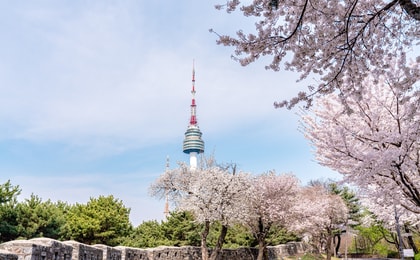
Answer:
(193, 118)
(193, 144)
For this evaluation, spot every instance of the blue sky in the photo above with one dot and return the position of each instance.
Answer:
(94, 95)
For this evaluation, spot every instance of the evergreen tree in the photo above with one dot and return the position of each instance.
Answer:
(8, 214)
(36, 218)
(103, 220)
(181, 229)
(148, 234)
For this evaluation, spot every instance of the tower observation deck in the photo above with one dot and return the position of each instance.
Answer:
(193, 144)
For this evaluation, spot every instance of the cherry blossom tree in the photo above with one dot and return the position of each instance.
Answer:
(270, 202)
(173, 183)
(218, 196)
(212, 194)
(320, 215)
(351, 200)
(374, 141)
(336, 42)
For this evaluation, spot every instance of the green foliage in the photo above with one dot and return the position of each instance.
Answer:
(8, 193)
(349, 197)
(8, 214)
(381, 249)
(104, 220)
(239, 236)
(369, 237)
(417, 256)
(181, 229)
(416, 237)
(40, 219)
(8, 223)
(374, 239)
(279, 235)
(148, 234)
(393, 254)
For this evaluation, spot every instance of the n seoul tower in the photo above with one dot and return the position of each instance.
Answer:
(193, 144)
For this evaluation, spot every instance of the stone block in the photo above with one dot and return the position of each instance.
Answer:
(132, 253)
(84, 252)
(109, 253)
(6, 255)
(38, 249)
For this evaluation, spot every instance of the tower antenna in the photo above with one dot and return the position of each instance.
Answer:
(193, 144)
(193, 118)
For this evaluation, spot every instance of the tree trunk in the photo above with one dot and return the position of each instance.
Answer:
(337, 245)
(328, 244)
(261, 249)
(411, 8)
(410, 240)
(261, 235)
(219, 243)
(204, 234)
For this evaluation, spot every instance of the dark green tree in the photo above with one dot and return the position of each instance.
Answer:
(181, 229)
(40, 219)
(103, 220)
(237, 236)
(148, 234)
(8, 193)
(178, 229)
(279, 235)
(350, 198)
(8, 214)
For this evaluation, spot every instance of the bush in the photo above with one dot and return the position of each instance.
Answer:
(393, 254)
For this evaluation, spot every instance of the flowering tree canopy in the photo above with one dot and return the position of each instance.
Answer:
(375, 141)
(384, 211)
(337, 42)
(211, 193)
(270, 202)
(217, 195)
(173, 183)
(320, 214)
(272, 198)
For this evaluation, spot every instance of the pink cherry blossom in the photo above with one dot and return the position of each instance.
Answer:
(337, 43)
(373, 141)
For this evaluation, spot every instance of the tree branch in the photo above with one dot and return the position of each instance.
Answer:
(411, 9)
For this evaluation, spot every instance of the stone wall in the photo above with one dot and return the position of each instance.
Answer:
(240, 253)
(131, 253)
(38, 249)
(49, 249)
(6, 255)
(84, 252)
(109, 253)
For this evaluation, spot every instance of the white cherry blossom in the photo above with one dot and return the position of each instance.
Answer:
(338, 43)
